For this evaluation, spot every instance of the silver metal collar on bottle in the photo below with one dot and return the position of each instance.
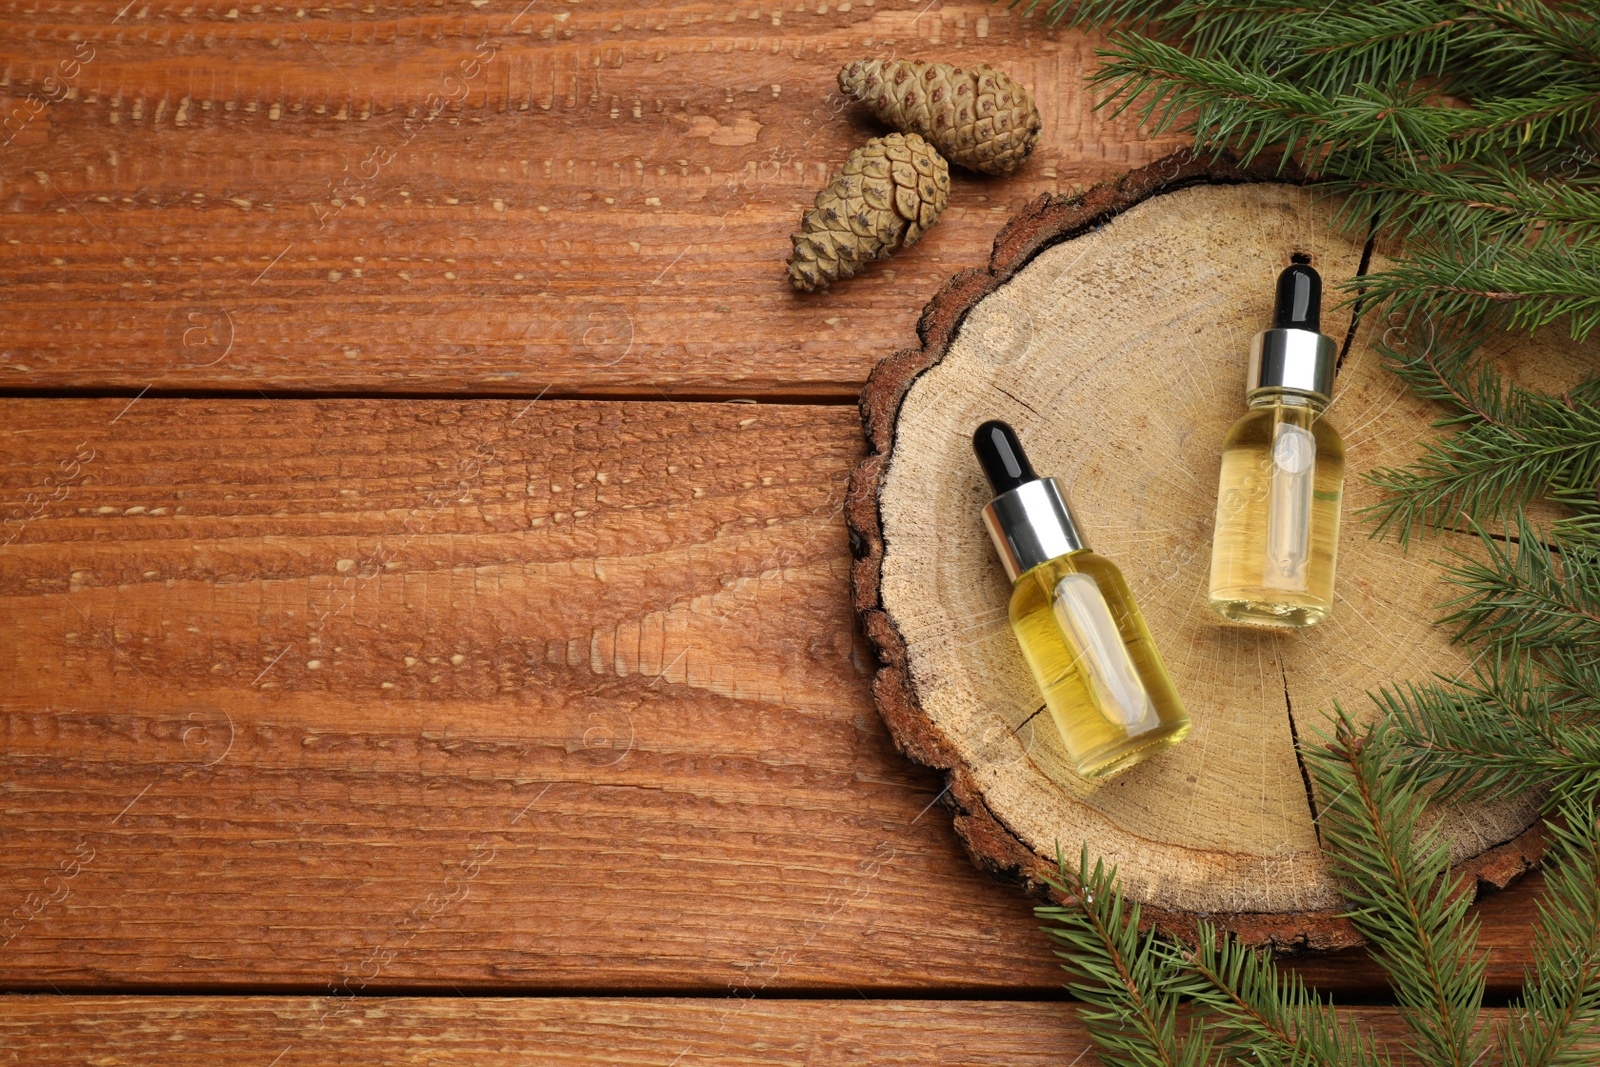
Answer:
(1030, 525)
(1302, 360)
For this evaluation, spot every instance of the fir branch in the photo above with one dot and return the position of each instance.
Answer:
(1470, 128)
(1343, 125)
(1519, 46)
(1515, 444)
(1557, 1023)
(1581, 529)
(1577, 673)
(1530, 286)
(1526, 598)
(1402, 898)
(1268, 35)
(1535, 41)
(1130, 14)
(1232, 106)
(1493, 204)
(1486, 470)
(1447, 369)
(1554, 112)
(1389, 43)
(1504, 732)
(1126, 980)
(1265, 1015)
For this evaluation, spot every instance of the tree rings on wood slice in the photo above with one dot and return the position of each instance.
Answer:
(1112, 330)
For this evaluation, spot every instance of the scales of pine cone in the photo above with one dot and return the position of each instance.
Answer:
(893, 188)
(890, 191)
(979, 118)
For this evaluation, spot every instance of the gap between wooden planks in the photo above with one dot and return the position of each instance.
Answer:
(297, 1032)
(386, 695)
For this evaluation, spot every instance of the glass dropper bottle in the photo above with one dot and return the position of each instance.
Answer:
(1080, 631)
(1277, 527)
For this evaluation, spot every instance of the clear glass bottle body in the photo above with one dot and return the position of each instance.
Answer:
(1277, 529)
(1091, 653)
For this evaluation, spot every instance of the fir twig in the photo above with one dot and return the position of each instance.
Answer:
(1265, 1015)
(1488, 203)
(1502, 733)
(1526, 286)
(1472, 129)
(1557, 1023)
(1127, 980)
(1402, 898)
(1525, 598)
(1513, 444)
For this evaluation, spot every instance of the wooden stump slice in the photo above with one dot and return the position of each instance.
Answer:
(1112, 330)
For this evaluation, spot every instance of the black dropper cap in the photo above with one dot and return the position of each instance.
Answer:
(1028, 519)
(1002, 456)
(1299, 299)
(1294, 355)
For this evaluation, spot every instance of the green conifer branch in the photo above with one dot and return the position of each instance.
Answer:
(1471, 128)
(1498, 734)
(1237, 106)
(1387, 44)
(1125, 979)
(1264, 1015)
(1557, 1022)
(1527, 286)
(1577, 673)
(1541, 41)
(1378, 112)
(1479, 205)
(1508, 45)
(1402, 898)
(1247, 1011)
(1130, 14)
(1514, 444)
(1526, 598)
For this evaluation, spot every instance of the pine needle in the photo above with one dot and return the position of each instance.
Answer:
(1470, 129)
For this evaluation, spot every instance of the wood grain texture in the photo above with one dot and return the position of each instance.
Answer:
(263, 197)
(300, 1032)
(280, 681)
(1111, 331)
(279, 677)
(406, 693)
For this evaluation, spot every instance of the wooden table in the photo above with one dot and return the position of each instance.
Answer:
(425, 627)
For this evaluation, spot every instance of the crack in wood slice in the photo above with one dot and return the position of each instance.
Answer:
(1112, 330)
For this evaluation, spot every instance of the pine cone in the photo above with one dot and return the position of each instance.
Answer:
(890, 191)
(978, 118)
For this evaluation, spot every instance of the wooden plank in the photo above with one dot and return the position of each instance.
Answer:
(361, 695)
(240, 199)
(406, 693)
(299, 1032)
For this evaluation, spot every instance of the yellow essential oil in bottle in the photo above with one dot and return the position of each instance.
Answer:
(1277, 529)
(1080, 631)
